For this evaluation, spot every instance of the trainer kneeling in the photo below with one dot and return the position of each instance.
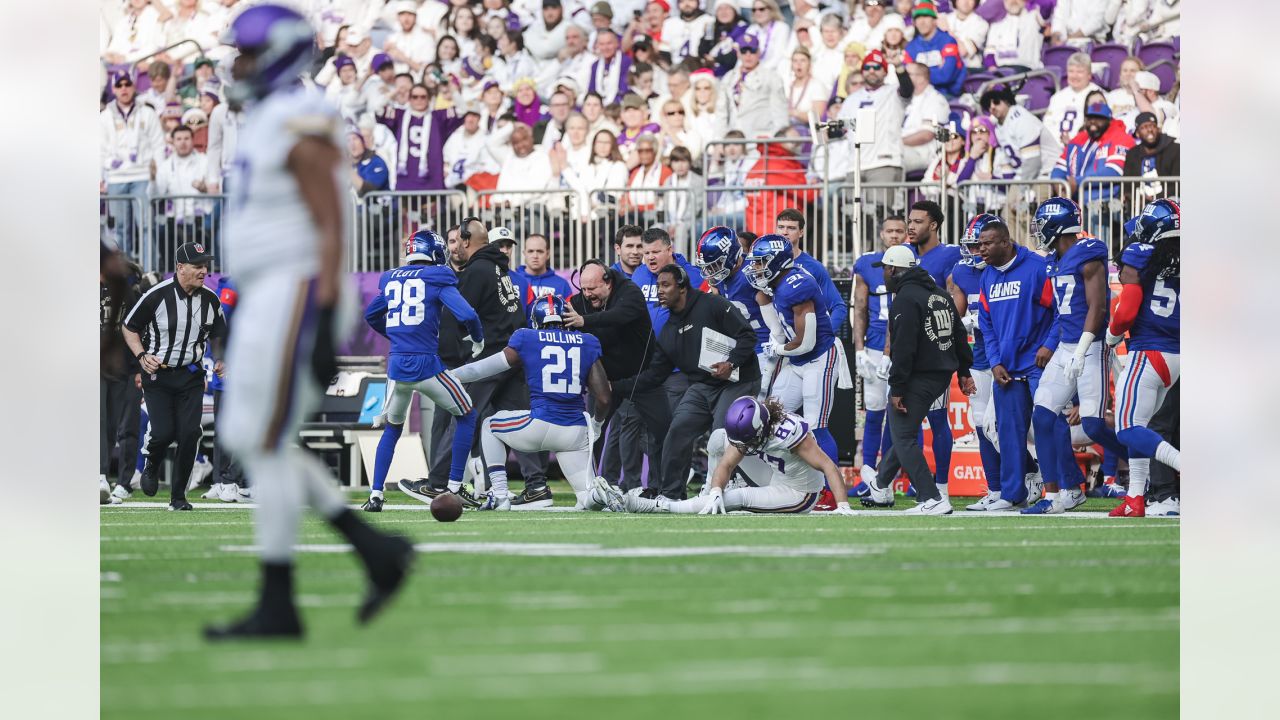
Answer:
(929, 345)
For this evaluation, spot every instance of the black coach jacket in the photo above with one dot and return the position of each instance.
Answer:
(926, 330)
(680, 342)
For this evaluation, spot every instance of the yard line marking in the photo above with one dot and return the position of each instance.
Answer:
(598, 551)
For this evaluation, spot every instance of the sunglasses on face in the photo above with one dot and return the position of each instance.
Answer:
(981, 131)
(750, 50)
(124, 83)
(872, 66)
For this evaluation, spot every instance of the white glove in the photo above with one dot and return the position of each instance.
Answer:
(769, 350)
(1074, 368)
(862, 364)
(477, 346)
(1114, 340)
(886, 363)
(716, 505)
(970, 322)
(842, 508)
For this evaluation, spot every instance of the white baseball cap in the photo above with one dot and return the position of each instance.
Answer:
(1147, 80)
(899, 256)
(501, 233)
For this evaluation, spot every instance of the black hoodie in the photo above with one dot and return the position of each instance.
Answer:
(926, 330)
(485, 285)
(680, 342)
(1166, 154)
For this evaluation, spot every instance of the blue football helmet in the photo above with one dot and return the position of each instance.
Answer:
(426, 245)
(969, 241)
(718, 252)
(770, 258)
(281, 43)
(547, 310)
(1160, 219)
(1055, 216)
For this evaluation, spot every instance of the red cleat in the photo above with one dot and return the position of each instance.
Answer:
(1130, 507)
(826, 501)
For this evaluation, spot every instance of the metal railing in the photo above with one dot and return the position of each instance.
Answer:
(581, 226)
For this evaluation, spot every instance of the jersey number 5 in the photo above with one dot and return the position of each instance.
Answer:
(405, 302)
(1163, 299)
(556, 361)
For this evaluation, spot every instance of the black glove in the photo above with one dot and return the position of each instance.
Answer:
(324, 354)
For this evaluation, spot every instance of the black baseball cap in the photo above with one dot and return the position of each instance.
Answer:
(194, 253)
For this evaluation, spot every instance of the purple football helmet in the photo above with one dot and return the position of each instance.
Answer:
(282, 44)
(746, 424)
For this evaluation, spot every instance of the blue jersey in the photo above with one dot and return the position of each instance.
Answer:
(1016, 311)
(647, 280)
(878, 298)
(968, 277)
(798, 286)
(1158, 325)
(556, 365)
(837, 308)
(738, 291)
(407, 311)
(618, 266)
(939, 261)
(1067, 276)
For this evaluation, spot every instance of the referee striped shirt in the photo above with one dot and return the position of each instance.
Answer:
(174, 325)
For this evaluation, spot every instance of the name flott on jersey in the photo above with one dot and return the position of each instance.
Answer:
(779, 452)
(737, 290)
(968, 277)
(269, 226)
(556, 365)
(798, 287)
(1066, 274)
(1158, 325)
(878, 298)
(407, 311)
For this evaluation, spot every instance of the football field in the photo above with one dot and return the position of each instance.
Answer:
(554, 615)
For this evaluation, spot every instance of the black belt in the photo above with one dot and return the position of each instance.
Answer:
(192, 368)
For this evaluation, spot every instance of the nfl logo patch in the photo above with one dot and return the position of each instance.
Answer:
(199, 248)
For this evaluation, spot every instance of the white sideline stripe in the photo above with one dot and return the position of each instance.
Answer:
(599, 551)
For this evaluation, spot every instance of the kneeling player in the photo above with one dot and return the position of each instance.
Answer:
(558, 364)
(765, 431)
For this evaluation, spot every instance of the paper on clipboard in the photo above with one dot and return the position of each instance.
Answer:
(716, 347)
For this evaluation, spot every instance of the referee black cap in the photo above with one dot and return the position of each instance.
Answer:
(194, 253)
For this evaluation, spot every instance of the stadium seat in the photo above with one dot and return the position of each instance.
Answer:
(1038, 89)
(1056, 57)
(975, 80)
(1152, 53)
(1113, 54)
(1167, 71)
(1102, 78)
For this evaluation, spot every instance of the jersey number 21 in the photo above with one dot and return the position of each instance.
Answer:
(560, 370)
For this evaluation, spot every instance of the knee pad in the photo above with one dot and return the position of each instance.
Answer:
(1142, 443)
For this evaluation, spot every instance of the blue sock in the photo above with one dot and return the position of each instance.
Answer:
(463, 437)
(1110, 462)
(1097, 430)
(990, 461)
(827, 443)
(1045, 422)
(940, 425)
(1069, 473)
(386, 451)
(1141, 442)
(871, 437)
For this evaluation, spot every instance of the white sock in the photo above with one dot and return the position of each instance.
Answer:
(498, 483)
(584, 498)
(455, 486)
(376, 494)
(1139, 476)
(1050, 495)
(1169, 455)
(319, 487)
(692, 506)
(280, 498)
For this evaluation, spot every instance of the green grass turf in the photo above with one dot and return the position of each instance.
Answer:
(911, 617)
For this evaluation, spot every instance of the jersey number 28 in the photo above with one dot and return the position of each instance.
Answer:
(405, 302)
(560, 370)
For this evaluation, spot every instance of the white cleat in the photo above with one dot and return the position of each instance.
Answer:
(246, 494)
(879, 497)
(607, 495)
(104, 491)
(633, 503)
(1035, 487)
(1071, 499)
(119, 494)
(491, 502)
(201, 471)
(930, 507)
(1000, 504)
(214, 492)
(230, 493)
(1170, 507)
(986, 502)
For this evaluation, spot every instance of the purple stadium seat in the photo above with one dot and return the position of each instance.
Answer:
(1167, 72)
(1152, 53)
(1113, 55)
(1103, 78)
(1038, 90)
(1177, 44)
(974, 80)
(1057, 57)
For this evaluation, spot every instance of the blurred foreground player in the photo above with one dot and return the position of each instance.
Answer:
(1149, 311)
(284, 241)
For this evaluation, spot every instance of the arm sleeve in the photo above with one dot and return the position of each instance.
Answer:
(462, 311)
(905, 87)
(1127, 307)
(991, 341)
(483, 368)
(375, 315)
(808, 340)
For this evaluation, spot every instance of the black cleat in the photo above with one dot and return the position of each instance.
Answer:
(180, 505)
(469, 501)
(387, 572)
(373, 504)
(150, 478)
(419, 490)
(538, 498)
(259, 625)
(650, 493)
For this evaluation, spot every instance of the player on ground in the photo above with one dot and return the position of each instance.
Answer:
(558, 365)
(761, 430)
(1149, 311)
(1077, 272)
(870, 323)
(284, 247)
(809, 374)
(407, 311)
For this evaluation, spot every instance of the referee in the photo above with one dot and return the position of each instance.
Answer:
(166, 331)
(929, 346)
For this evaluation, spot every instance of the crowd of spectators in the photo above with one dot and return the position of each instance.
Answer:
(528, 102)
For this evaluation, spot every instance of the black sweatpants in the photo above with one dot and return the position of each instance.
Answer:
(906, 454)
(175, 400)
(1164, 481)
(702, 408)
(119, 412)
